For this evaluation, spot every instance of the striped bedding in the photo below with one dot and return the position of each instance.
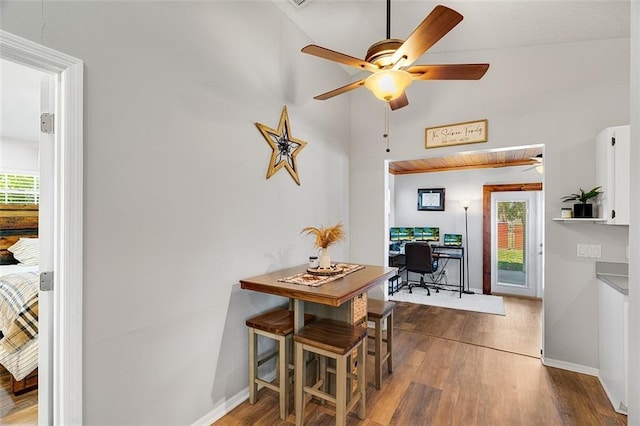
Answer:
(19, 323)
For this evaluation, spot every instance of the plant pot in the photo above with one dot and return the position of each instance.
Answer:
(581, 210)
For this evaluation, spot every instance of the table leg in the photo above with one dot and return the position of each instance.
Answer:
(299, 362)
(298, 315)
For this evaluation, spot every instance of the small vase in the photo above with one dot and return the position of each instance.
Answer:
(325, 260)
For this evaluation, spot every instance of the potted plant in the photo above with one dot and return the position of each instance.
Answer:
(583, 209)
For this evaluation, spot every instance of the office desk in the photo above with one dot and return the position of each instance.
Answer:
(443, 254)
(331, 300)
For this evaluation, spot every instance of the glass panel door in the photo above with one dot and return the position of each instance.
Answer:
(514, 258)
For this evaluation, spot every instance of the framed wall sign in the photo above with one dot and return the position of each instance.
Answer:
(456, 134)
(431, 199)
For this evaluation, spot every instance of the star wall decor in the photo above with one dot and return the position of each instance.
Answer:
(285, 147)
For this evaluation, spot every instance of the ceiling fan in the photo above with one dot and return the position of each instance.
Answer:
(389, 60)
(539, 166)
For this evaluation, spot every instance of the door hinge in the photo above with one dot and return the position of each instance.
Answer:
(46, 123)
(613, 141)
(46, 281)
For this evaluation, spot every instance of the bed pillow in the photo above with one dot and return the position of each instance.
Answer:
(15, 291)
(23, 328)
(26, 251)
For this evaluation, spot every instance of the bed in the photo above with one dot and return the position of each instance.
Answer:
(19, 282)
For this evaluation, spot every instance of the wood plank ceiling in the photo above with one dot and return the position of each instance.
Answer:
(473, 160)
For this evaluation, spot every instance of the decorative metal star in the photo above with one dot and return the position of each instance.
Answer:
(285, 147)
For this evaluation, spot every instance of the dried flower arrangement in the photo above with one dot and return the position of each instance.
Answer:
(325, 236)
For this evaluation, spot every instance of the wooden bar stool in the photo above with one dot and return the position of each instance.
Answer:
(377, 311)
(334, 340)
(276, 324)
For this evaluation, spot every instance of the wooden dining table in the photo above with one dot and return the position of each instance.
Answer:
(343, 299)
(336, 299)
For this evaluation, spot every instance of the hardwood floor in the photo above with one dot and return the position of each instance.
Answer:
(462, 368)
(16, 410)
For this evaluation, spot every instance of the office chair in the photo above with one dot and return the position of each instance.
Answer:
(419, 259)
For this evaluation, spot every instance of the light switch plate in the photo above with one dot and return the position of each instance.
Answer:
(582, 250)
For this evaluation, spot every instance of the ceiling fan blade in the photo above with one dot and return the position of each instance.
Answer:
(340, 90)
(436, 25)
(332, 55)
(448, 72)
(399, 102)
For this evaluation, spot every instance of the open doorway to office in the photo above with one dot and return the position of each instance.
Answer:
(463, 181)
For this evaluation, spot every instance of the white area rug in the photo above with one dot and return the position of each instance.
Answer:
(448, 299)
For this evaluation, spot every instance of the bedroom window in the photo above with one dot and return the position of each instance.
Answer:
(19, 189)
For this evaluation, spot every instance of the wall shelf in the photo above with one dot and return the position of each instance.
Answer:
(580, 219)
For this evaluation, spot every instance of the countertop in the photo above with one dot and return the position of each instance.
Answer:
(614, 274)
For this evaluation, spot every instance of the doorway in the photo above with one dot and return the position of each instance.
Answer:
(514, 243)
(26, 187)
(62, 403)
(489, 256)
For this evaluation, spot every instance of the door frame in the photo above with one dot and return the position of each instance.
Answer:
(487, 190)
(65, 393)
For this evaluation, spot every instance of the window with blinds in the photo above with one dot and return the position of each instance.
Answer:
(19, 189)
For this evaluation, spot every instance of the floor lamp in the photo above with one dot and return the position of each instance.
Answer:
(465, 204)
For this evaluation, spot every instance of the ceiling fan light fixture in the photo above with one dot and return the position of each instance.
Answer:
(387, 85)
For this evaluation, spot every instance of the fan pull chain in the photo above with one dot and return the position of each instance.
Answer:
(43, 19)
(385, 135)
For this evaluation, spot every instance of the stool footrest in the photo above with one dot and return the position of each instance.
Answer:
(267, 385)
(267, 358)
(311, 390)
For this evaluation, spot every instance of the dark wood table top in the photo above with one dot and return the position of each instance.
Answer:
(333, 293)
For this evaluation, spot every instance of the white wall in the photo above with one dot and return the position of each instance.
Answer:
(560, 95)
(19, 118)
(18, 156)
(177, 207)
(459, 186)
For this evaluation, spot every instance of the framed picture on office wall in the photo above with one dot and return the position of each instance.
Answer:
(431, 199)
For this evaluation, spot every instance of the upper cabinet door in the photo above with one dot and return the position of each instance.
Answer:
(613, 173)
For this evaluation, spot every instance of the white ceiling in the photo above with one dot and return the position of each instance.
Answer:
(351, 26)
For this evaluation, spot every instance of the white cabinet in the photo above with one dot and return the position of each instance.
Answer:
(613, 173)
(613, 345)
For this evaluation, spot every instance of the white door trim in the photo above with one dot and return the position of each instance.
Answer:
(68, 232)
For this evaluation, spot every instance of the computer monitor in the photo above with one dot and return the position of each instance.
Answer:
(426, 233)
(453, 240)
(405, 234)
(394, 234)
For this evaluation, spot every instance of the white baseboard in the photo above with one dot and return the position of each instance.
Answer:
(569, 366)
(223, 408)
(228, 404)
(620, 408)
